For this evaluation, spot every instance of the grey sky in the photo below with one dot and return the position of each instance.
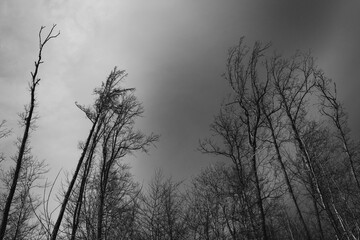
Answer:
(174, 52)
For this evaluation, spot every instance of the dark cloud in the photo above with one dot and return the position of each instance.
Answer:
(297, 23)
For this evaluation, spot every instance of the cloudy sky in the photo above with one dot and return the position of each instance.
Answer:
(174, 52)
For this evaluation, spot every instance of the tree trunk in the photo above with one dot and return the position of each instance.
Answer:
(24, 141)
(18, 162)
(79, 202)
(287, 180)
(72, 183)
(258, 194)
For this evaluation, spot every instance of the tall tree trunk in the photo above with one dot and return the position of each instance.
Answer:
(287, 180)
(72, 183)
(258, 194)
(84, 179)
(28, 123)
(242, 193)
(316, 208)
(313, 177)
(100, 212)
(252, 139)
(338, 117)
(19, 160)
(308, 162)
(104, 176)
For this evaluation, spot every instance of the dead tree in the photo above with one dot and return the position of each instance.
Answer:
(28, 120)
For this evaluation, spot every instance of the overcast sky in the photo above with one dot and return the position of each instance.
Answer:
(174, 52)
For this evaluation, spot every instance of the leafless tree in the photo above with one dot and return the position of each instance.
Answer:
(333, 109)
(119, 139)
(244, 127)
(249, 90)
(112, 137)
(28, 121)
(4, 132)
(274, 116)
(107, 94)
(161, 214)
(295, 86)
(22, 223)
(78, 196)
(231, 132)
(271, 130)
(216, 207)
(119, 207)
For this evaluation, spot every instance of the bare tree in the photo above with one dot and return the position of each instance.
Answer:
(120, 204)
(21, 221)
(295, 82)
(269, 126)
(216, 209)
(249, 89)
(113, 135)
(79, 193)
(274, 114)
(119, 139)
(334, 110)
(107, 94)
(161, 214)
(4, 132)
(119, 207)
(28, 121)
(230, 130)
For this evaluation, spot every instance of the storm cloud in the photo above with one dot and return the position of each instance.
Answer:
(174, 52)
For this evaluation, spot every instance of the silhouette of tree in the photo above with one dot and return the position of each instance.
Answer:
(27, 119)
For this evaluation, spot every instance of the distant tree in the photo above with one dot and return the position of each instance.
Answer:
(218, 209)
(4, 132)
(120, 207)
(232, 146)
(27, 120)
(162, 210)
(215, 209)
(22, 223)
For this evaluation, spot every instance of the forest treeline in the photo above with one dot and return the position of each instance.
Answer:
(288, 165)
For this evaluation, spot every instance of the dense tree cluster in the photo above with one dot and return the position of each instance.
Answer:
(288, 166)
